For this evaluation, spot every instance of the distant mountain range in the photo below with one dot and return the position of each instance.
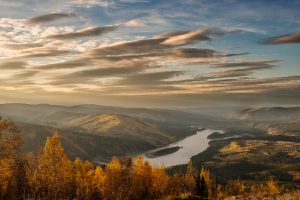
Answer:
(99, 132)
(268, 114)
(48, 114)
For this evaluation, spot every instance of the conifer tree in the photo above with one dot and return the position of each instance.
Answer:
(208, 180)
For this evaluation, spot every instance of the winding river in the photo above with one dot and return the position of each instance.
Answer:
(190, 146)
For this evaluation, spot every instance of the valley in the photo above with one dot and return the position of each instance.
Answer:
(97, 133)
(250, 145)
(262, 147)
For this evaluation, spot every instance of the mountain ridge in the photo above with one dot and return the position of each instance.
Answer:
(268, 113)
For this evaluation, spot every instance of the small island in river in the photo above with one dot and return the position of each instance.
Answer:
(201, 129)
(216, 135)
(163, 152)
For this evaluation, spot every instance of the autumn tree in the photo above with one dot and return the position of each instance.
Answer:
(31, 172)
(234, 187)
(142, 180)
(272, 186)
(127, 178)
(112, 188)
(10, 142)
(84, 175)
(98, 182)
(175, 185)
(160, 181)
(209, 181)
(189, 177)
(55, 170)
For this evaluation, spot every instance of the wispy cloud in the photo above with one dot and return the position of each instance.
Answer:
(135, 50)
(283, 39)
(20, 46)
(154, 78)
(253, 63)
(87, 32)
(13, 65)
(245, 71)
(195, 36)
(93, 3)
(41, 52)
(159, 44)
(50, 18)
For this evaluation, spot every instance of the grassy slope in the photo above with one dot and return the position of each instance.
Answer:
(86, 146)
(116, 125)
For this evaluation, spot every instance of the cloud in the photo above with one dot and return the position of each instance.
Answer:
(90, 62)
(173, 33)
(192, 53)
(239, 72)
(118, 69)
(91, 75)
(161, 54)
(24, 74)
(130, 47)
(135, 1)
(265, 63)
(93, 3)
(154, 78)
(20, 46)
(145, 65)
(19, 35)
(284, 39)
(13, 65)
(235, 54)
(41, 52)
(195, 36)
(102, 72)
(188, 38)
(50, 18)
(87, 32)
(135, 23)
(104, 3)
(159, 45)
(65, 65)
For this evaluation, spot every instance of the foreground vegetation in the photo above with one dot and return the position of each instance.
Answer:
(48, 173)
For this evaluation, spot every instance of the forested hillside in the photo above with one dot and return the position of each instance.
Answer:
(48, 173)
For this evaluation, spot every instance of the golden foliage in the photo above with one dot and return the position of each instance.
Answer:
(234, 187)
(10, 141)
(55, 170)
(160, 181)
(209, 181)
(272, 186)
(6, 175)
(84, 175)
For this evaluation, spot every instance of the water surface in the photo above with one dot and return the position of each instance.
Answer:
(191, 145)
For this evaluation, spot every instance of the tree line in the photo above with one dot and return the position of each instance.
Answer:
(48, 173)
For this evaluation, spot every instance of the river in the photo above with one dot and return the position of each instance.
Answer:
(191, 146)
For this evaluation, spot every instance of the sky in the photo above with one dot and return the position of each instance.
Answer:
(150, 53)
